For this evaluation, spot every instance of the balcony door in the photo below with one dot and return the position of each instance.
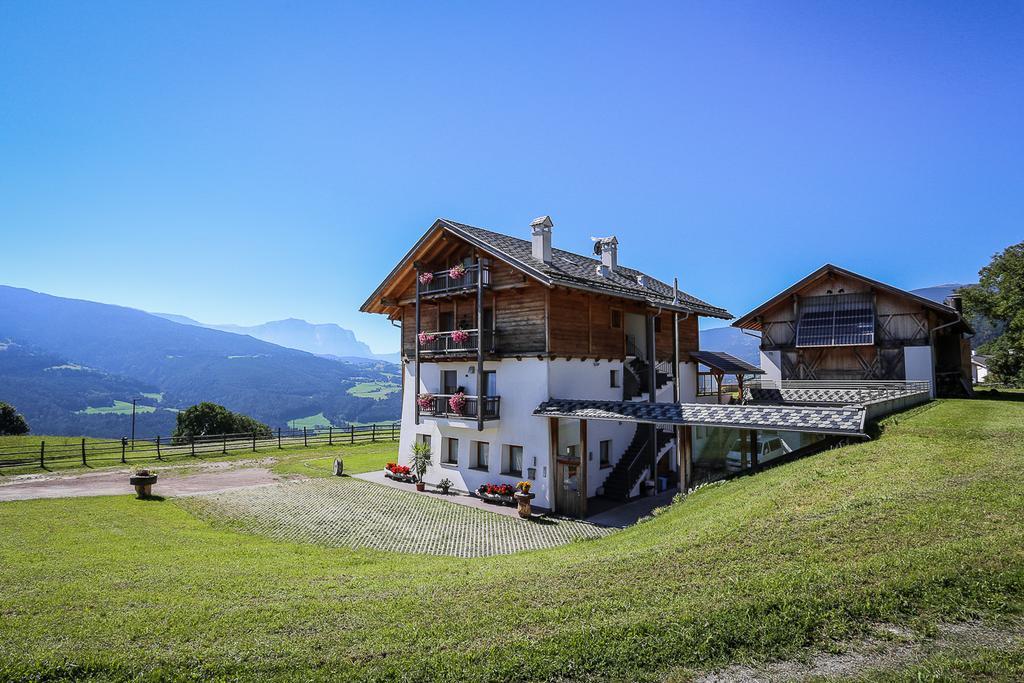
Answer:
(449, 381)
(446, 321)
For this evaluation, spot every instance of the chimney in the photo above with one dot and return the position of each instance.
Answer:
(608, 249)
(540, 229)
(957, 302)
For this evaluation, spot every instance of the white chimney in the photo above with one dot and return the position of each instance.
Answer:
(608, 249)
(540, 229)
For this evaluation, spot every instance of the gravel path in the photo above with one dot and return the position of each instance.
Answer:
(348, 512)
(115, 483)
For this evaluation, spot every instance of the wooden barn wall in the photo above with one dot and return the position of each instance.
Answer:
(688, 337)
(846, 362)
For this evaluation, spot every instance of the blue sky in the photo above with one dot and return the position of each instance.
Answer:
(242, 162)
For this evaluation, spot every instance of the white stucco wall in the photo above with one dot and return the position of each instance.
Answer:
(688, 382)
(771, 363)
(917, 364)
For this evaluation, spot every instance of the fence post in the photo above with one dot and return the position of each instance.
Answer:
(224, 444)
(254, 441)
(351, 434)
(373, 432)
(83, 452)
(124, 444)
(42, 454)
(305, 441)
(192, 442)
(158, 456)
(278, 437)
(393, 431)
(330, 435)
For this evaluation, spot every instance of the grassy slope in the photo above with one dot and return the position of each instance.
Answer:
(920, 525)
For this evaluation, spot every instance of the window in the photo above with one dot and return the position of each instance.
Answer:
(490, 383)
(480, 455)
(514, 461)
(606, 453)
(449, 381)
(616, 319)
(836, 320)
(451, 451)
(423, 438)
(613, 379)
(446, 321)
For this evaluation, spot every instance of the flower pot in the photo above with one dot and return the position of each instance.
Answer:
(524, 505)
(143, 484)
(420, 486)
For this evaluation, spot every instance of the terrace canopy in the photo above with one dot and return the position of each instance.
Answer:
(837, 420)
(723, 364)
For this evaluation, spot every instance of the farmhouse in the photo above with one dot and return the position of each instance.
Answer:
(837, 325)
(522, 361)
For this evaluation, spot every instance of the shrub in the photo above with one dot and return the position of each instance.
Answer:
(12, 423)
(206, 419)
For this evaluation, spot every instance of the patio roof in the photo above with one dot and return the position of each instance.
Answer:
(725, 363)
(844, 420)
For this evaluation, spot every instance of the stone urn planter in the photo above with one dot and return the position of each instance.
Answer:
(524, 505)
(421, 486)
(143, 481)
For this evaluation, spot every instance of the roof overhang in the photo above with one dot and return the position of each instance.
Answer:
(750, 320)
(838, 420)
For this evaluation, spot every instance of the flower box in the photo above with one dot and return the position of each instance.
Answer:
(425, 401)
(426, 338)
(457, 403)
(457, 271)
(497, 493)
(399, 473)
(460, 336)
(426, 278)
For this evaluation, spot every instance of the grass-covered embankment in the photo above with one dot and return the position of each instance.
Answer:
(922, 525)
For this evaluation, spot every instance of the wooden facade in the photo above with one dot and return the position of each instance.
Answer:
(901, 320)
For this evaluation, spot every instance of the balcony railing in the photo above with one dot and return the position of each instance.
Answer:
(453, 343)
(440, 407)
(443, 283)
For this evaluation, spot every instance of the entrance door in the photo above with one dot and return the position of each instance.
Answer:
(568, 493)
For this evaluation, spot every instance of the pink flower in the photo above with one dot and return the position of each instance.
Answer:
(425, 401)
(427, 338)
(457, 271)
(460, 336)
(457, 403)
(426, 278)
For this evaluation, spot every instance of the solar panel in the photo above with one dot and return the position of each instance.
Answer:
(836, 320)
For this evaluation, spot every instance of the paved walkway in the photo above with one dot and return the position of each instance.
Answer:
(115, 483)
(352, 513)
(377, 477)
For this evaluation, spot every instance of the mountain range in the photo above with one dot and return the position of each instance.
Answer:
(328, 339)
(65, 364)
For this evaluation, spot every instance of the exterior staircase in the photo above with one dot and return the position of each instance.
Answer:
(634, 462)
(637, 378)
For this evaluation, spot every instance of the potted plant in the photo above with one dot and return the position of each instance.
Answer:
(523, 498)
(427, 338)
(444, 485)
(457, 403)
(143, 481)
(497, 493)
(425, 400)
(420, 462)
(393, 470)
(457, 271)
(460, 336)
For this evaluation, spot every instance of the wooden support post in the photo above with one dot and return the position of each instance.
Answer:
(192, 444)
(553, 463)
(351, 434)
(373, 432)
(584, 468)
(652, 373)
(753, 448)
(680, 455)
(42, 454)
(330, 435)
(254, 442)
(393, 428)
(83, 452)
(416, 354)
(124, 444)
(278, 437)
(480, 384)
(158, 456)
(305, 438)
(224, 444)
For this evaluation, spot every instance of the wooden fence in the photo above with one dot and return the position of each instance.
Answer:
(167, 447)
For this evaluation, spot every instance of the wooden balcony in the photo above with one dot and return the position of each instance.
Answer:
(456, 343)
(440, 408)
(443, 284)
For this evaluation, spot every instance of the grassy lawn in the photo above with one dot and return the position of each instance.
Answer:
(311, 422)
(313, 461)
(119, 408)
(374, 390)
(919, 526)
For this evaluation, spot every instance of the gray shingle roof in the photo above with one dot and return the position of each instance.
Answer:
(577, 271)
(847, 420)
(730, 365)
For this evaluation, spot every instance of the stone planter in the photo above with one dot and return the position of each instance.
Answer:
(525, 507)
(143, 483)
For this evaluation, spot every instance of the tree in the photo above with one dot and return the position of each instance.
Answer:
(11, 421)
(999, 295)
(206, 419)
